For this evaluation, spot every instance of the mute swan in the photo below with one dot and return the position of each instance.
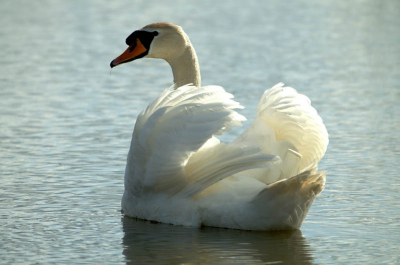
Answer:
(178, 172)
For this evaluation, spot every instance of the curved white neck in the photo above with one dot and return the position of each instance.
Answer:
(186, 68)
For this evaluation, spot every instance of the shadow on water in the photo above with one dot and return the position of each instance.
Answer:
(150, 243)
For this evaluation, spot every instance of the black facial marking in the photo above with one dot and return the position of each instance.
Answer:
(145, 38)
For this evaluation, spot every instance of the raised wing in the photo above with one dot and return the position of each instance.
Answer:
(173, 128)
(293, 119)
(289, 127)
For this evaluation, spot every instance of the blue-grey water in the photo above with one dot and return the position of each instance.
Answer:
(66, 123)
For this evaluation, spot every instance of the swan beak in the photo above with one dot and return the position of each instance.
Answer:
(135, 51)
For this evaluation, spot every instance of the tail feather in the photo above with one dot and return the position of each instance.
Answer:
(306, 184)
(289, 200)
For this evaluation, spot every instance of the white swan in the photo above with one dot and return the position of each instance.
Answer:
(177, 172)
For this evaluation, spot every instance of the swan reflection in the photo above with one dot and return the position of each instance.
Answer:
(156, 243)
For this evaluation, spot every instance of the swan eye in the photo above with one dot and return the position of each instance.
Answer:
(132, 47)
(155, 33)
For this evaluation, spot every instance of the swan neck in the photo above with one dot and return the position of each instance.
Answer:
(185, 68)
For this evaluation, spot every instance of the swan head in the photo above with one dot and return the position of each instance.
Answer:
(157, 40)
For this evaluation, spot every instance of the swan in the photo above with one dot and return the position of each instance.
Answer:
(178, 172)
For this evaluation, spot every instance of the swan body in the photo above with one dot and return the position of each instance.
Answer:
(178, 172)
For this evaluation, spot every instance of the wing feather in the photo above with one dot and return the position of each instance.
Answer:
(294, 119)
(168, 134)
(285, 122)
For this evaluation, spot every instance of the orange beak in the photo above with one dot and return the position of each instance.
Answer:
(135, 51)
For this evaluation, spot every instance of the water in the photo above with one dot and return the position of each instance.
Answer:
(66, 124)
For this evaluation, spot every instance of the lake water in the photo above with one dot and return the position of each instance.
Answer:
(66, 123)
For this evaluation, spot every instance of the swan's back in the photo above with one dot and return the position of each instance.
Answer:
(173, 152)
(176, 167)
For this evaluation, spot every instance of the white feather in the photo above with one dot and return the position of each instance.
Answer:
(175, 162)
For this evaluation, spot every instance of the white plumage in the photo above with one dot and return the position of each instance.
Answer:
(178, 172)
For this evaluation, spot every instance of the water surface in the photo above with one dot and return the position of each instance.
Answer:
(66, 123)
